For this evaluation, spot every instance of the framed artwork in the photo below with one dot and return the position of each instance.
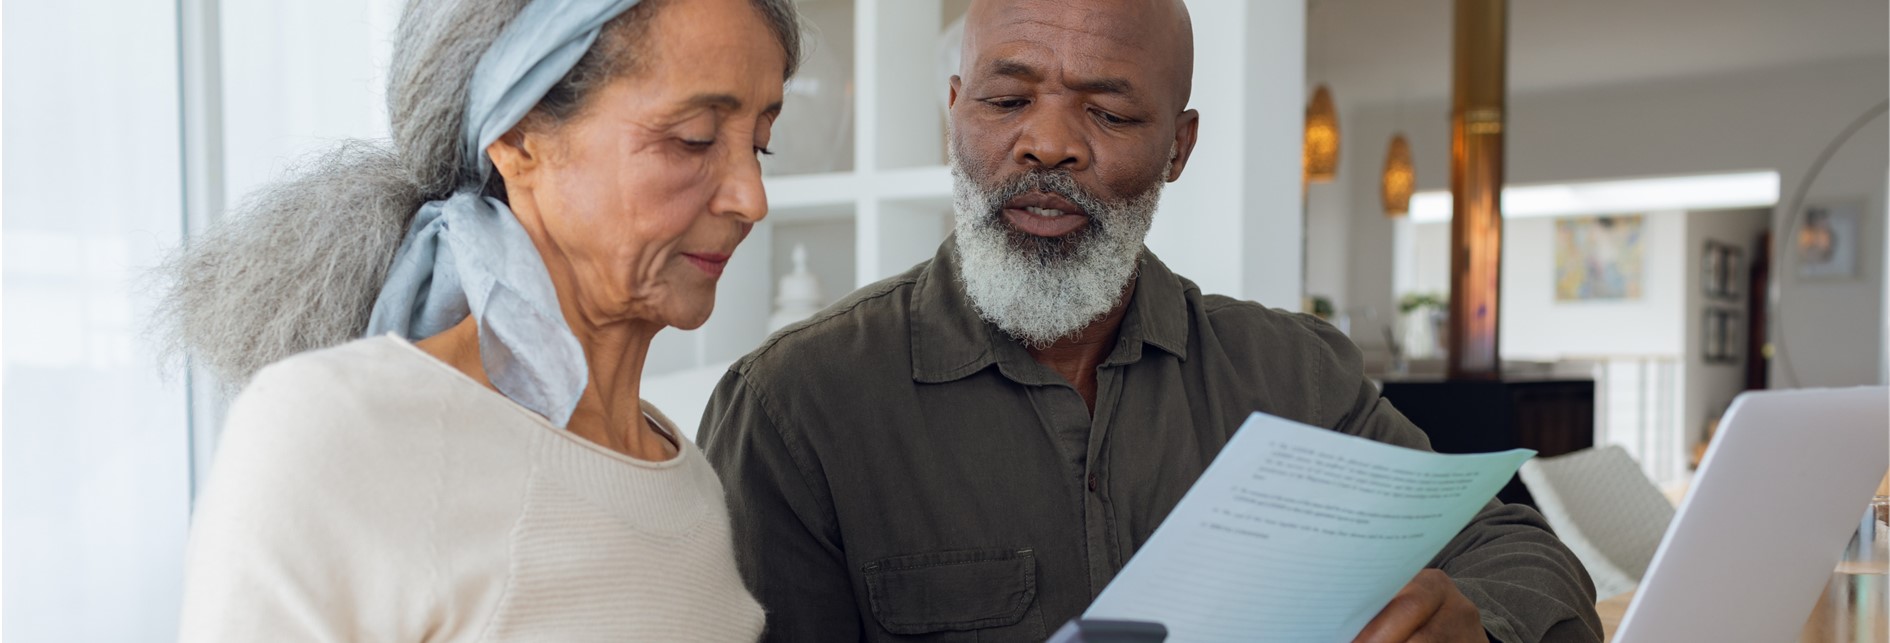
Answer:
(1721, 336)
(1733, 267)
(1599, 258)
(1722, 270)
(1712, 339)
(1826, 241)
(1712, 269)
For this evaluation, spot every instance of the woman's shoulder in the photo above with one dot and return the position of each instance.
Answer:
(323, 479)
(372, 381)
(367, 364)
(365, 406)
(319, 403)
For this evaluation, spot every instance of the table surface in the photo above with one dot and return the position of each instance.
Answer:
(1816, 628)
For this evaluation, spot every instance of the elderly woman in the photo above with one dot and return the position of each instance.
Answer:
(568, 178)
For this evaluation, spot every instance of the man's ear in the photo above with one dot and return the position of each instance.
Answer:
(1187, 131)
(953, 100)
(515, 158)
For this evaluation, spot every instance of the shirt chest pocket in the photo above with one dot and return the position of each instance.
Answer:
(969, 595)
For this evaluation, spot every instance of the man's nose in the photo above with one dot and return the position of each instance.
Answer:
(1051, 141)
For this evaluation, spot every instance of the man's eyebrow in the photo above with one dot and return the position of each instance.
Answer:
(1118, 86)
(1013, 68)
(1022, 71)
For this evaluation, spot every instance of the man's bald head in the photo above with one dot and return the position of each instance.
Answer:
(1158, 34)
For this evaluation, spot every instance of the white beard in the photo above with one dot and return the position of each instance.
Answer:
(1040, 290)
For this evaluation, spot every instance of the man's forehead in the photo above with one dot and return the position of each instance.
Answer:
(1104, 28)
(1056, 60)
(1112, 38)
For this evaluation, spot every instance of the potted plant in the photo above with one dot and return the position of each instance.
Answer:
(1422, 316)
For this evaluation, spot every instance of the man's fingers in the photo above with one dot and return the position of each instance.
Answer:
(1435, 631)
(1457, 619)
(1407, 613)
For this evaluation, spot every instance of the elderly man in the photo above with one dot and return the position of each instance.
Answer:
(973, 449)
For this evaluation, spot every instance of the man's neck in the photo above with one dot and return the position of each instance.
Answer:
(1077, 357)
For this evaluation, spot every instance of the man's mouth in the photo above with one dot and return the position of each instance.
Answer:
(1044, 214)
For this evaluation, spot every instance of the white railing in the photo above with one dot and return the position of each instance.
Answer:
(1639, 402)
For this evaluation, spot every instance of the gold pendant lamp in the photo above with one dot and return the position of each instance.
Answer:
(1322, 137)
(1399, 179)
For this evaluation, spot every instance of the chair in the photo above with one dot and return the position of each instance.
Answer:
(1605, 509)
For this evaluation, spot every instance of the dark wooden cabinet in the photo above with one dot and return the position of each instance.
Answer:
(1551, 416)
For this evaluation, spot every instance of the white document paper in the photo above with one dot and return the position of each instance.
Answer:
(1296, 533)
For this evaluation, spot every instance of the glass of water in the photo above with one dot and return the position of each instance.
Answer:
(1859, 595)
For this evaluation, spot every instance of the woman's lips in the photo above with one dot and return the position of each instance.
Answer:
(711, 263)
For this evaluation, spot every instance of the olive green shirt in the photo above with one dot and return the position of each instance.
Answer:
(898, 469)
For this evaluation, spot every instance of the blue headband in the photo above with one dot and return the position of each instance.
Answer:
(468, 255)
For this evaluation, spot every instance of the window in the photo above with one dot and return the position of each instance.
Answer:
(97, 453)
(98, 464)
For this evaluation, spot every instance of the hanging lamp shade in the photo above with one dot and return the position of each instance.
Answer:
(1322, 137)
(1400, 178)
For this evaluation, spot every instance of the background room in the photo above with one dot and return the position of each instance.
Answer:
(1648, 242)
(1694, 205)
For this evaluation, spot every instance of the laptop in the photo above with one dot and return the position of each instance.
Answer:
(1770, 511)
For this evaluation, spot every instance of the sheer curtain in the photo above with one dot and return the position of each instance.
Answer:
(97, 459)
(298, 76)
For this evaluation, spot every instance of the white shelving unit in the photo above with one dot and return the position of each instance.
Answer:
(1232, 224)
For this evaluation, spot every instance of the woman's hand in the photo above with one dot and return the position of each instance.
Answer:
(1428, 610)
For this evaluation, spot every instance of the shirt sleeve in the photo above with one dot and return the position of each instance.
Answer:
(786, 539)
(277, 550)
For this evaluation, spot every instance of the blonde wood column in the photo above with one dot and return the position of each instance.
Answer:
(1479, 68)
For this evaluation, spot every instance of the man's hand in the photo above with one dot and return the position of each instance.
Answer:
(1428, 610)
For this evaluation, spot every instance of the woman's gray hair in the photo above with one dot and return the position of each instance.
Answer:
(299, 263)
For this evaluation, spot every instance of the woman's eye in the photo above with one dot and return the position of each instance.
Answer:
(763, 151)
(696, 145)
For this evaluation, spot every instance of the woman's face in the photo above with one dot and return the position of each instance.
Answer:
(637, 201)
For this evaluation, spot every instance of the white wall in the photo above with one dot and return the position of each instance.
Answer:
(1233, 222)
(1328, 226)
(1711, 386)
(1776, 119)
(1538, 327)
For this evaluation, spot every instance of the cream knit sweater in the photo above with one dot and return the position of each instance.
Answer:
(369, 492)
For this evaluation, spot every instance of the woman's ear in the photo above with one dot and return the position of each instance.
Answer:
(515, 158)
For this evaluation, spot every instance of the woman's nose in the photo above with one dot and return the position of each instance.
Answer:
(741, 195)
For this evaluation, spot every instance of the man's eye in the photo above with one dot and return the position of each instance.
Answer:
(1112, 119)
(1007, 103)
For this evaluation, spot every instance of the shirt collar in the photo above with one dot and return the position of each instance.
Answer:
(950, 341)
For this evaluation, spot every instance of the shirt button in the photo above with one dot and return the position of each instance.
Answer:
(1092, 483)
